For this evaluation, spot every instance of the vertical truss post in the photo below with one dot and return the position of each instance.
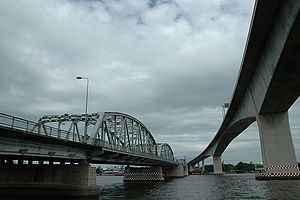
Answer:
(58, 129)
(115, 129)
(132, 134)
(77, 131)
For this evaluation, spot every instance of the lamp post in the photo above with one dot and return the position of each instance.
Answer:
(86, 106)
(225, 105)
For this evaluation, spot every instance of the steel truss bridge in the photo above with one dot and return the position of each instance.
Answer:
(102, 137)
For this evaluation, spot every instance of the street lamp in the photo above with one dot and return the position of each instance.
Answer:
(225, 105)
(86, 105)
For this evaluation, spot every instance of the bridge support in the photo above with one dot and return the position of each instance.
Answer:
(48, 180)
(191, 168)
(176, 172)
(277, 147)
(143, 174)
(203, 167)
(217, 165)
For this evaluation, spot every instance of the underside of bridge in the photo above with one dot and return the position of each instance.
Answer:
(267, 86)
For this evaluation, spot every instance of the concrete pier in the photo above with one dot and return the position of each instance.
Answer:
(278, 153)
(203, 167)
(176, 172)
(48, 180)
(217, 165)
(186, 170)
(143, 174)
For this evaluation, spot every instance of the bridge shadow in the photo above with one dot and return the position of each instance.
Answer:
(133, 191)
(141, 190)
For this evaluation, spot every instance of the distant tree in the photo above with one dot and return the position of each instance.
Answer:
(209, 168)
(249, 167)
(246, 167)
(228, 167)
(240, 166)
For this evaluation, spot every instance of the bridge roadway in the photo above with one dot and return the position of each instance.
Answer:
(23, 139)
(267, 86)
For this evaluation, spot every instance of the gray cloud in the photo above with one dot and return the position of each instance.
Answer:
(170, 64)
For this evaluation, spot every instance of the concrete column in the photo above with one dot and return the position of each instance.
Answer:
(176, 172)
(217, 165)
(191, 168)
(186, 171)
(203, 167)
(278, 153)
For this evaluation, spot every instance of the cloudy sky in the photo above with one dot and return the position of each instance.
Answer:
(169, 63)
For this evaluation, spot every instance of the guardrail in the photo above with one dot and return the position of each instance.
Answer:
(26, 125)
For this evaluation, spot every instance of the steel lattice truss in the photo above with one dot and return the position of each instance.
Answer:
(107, 129)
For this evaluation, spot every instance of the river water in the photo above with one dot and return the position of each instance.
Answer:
(229, 186)
(193, 187)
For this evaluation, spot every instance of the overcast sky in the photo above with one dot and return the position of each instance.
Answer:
(171, 64)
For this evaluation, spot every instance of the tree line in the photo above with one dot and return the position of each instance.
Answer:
(240, 167)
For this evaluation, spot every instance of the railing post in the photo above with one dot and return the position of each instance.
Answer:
(27, 125)
(58, 129)
(13, 122)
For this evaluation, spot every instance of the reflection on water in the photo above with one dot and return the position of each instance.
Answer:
(229, 186)
(285, 189)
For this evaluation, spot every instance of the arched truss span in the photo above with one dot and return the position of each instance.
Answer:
(164, 150)
(113, 130)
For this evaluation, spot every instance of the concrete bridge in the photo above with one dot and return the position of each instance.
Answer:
(267, 86)
(36, 158)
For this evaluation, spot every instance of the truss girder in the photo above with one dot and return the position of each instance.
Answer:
(164, 150)
(113, 130)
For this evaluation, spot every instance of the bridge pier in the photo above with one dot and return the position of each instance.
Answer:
(278, 153)
(217, 162)
(48, 180)
(143, 174)
(153, 174)
(177, 172)
(203, 167)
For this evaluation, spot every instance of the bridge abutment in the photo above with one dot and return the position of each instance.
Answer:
(278, 153)
(217, 162)
(48, 180)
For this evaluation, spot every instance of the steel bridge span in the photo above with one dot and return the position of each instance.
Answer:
(111, 137)
(52, 156)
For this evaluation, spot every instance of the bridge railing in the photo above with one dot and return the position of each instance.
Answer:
(15, 122)
(29, 126)
(26, 125)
